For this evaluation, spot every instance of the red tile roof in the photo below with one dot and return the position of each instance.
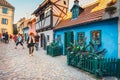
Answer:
(85, 17)
(5, 3)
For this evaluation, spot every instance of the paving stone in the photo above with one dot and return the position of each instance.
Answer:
(17, 64)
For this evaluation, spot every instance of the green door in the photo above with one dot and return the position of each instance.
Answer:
(68, 38)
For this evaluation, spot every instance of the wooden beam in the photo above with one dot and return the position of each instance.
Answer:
(43, 8)
(46, 28)
(56, 15)
(44, 22)
(57, 21)
(58, 18)
(57, 1)
(62, 6)
(39, 25)
(59, 8)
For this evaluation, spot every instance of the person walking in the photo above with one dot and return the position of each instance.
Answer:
(15, 38)
(6, 37)
(19, 41)
(30, 43)
(37, 41)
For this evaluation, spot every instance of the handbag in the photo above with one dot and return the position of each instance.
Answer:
(28, 45)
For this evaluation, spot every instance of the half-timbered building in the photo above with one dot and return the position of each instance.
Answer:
(49, 14)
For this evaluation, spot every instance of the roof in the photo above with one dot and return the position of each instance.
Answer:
(5, 3)
(32, 20)
(85, 17)
(45, 2)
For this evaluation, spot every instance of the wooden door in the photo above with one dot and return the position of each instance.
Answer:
(45, 42)
(68, 39)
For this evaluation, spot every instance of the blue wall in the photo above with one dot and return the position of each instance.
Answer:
(26, 30)
(109, 29)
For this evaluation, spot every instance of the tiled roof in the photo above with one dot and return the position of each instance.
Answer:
(5, 3)
(85, 17)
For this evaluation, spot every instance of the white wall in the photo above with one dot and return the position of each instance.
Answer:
(47, 21)
(50, 33)
(81, 2)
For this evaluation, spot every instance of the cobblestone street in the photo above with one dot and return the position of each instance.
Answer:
(17, 64)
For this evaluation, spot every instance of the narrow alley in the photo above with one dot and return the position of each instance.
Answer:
(17, 64)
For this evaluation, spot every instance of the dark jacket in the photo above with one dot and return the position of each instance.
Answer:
(37, 38)
(31, 43)
(6, 36)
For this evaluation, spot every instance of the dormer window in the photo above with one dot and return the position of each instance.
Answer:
(76, 9)
(75, 13)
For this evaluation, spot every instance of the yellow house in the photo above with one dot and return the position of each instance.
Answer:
(6, 17)
(21, 24)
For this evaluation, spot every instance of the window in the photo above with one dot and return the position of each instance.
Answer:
(47, 12)
(64, 2)
(41, 16)
(4, 10)
(4, 21)
(96, 37)
(81, 38)
(75, 13)
(38, 19)
(3, 30)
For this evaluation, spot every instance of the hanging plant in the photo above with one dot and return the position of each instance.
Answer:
(111, 10)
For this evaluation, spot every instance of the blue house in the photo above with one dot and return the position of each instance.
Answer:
(100, 27)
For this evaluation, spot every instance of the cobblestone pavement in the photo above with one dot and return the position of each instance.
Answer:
(17, 64)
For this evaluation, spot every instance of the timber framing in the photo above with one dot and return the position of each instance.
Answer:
(44, 29)
(50, 13)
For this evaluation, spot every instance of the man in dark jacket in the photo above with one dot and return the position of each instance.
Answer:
(6, 37)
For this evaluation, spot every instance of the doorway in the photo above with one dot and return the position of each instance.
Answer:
(43, 41)
(68, 39)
